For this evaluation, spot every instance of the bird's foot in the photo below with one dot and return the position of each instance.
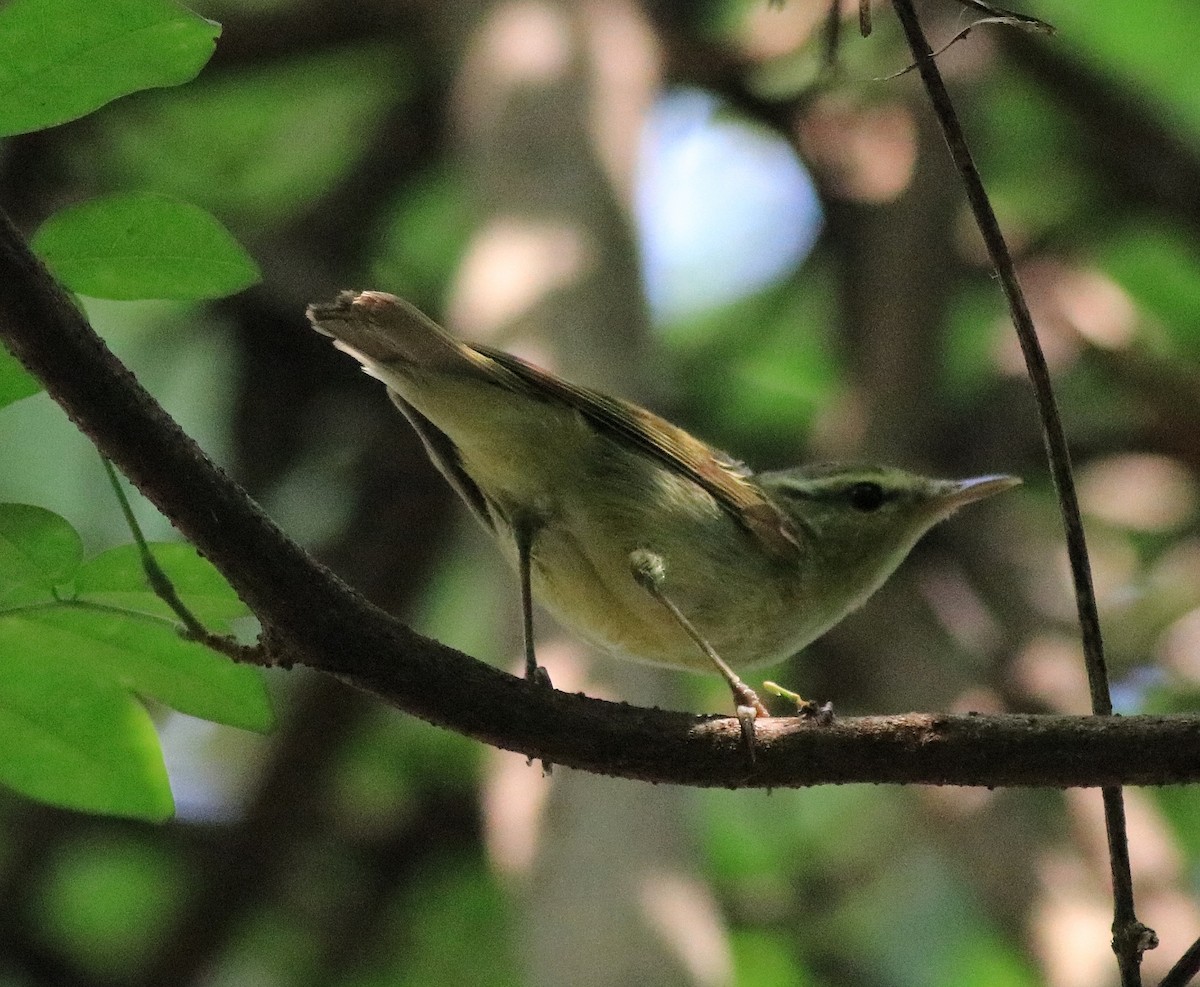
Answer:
(822, 713)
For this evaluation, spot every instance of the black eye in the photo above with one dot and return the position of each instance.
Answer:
(865, 497)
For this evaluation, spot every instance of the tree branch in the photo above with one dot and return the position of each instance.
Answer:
(311, 617)
(1185, 968)
(1130, 937)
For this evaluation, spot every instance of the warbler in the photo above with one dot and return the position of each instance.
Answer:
(647, 541)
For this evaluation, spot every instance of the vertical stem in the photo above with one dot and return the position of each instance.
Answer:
(1130, 938)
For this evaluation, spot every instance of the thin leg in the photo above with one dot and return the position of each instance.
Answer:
(650, 572)
(523, 533)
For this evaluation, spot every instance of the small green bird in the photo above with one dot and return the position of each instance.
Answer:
(645, 540)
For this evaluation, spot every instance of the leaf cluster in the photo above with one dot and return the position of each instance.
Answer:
(84, 644)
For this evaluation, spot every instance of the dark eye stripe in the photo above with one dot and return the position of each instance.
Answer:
(839, 491)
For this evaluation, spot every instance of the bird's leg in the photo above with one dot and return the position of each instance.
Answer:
(523, 535)
(535, 673)
(650, 572)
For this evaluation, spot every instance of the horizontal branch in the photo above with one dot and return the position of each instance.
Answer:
(1010, 750)
(311, 617)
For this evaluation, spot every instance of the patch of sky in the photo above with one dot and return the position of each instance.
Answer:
(724, 207)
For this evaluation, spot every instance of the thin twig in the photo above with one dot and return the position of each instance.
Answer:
(1011, 17)
(1130, 937)
(1188, 965)
(832, 36)
(159, 581)
(961, 36)
(165, 590)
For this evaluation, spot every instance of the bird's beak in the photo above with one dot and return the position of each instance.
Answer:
(963, 492)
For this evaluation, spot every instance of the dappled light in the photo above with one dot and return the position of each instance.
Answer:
(685, 915)
(739, 214)
(510, 266)
(863, 153)
(1139, 491)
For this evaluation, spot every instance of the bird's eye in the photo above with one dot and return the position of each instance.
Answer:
(865, 497)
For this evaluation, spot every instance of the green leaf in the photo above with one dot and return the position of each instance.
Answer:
(115, 579)
(15, 381)
(79, 641)
(71, 741)
(145, 655)
(38, 552)
(62, 59)
(143, 246)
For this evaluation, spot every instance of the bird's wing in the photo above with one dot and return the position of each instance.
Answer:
(729, 481)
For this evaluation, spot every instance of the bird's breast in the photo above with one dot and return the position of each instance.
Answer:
(732, 592)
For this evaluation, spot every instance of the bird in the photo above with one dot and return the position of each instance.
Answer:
(646, 541)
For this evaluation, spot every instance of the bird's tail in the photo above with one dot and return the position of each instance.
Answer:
(380, 329)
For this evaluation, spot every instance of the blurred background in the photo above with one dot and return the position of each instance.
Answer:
(679, 203)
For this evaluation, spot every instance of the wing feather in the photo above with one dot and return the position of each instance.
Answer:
(728, 480)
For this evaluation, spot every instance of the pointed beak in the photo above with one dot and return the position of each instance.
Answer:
(962, 492)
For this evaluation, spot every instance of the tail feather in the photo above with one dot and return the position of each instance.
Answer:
(377, 328)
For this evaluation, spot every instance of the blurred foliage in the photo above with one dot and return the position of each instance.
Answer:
(423, 235)
(257, 145)
(1148, 48)
(106, 901)
(356, 146)
(763, 365)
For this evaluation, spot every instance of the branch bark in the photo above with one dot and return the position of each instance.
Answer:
(1130, 937)
(310, 617)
